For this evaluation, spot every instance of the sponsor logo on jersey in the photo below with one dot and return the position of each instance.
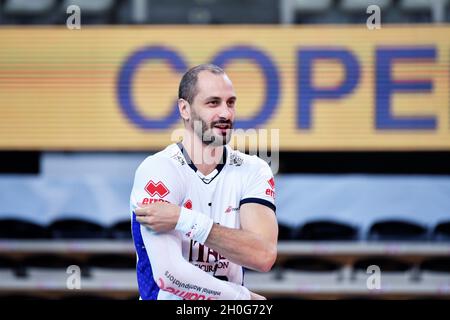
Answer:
(205, 255)
(271, 191)
(151, 200)
(235, 160)
(188, 204)
(272, 183)
(231, 209)
(178, 157)
(157, 188)
(203, 293)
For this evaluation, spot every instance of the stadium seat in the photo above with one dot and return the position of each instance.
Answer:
(436, 264)
(120, 230)
(113, 270)
(442, 231)
(94, 7)
(73, 228)
(112, 261)
(7, 263)
(415, 5)
(386, 264)
(356, 10)
(447, 11)
(8, 268)
(52, 261)
(393, 271)
(21, 229)
(424, 10)
(436, 271)
(285, 232)
(317, 6)
(360, 6)
(92, 11)
(325, 230)
(310, 271)
(397, 230)
(26, 7)
(50, 268)
(316, 12)
(313, 264)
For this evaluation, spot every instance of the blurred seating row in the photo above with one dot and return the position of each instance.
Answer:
(354, 11)
(76, 228)
(109, 276)
(41, 264)
(66, 297)
(220, 11)
(384, 230)
(142, 11)
(88, 263)
(126, 261)
(386, 264)
(63, 229)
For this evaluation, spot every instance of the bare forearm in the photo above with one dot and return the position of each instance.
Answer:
(242, 247)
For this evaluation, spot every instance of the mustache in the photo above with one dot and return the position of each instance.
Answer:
(228, 122)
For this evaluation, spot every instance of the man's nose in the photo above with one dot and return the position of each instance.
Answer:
(225, 112)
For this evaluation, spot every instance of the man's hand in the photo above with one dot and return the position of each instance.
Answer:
(158, 216)
(255, 296)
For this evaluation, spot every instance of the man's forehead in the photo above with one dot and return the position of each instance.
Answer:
(210, 84)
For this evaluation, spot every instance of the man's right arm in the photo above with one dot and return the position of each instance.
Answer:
(171, 272)
(174, 274)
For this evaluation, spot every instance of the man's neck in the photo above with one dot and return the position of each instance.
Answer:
(204, 157)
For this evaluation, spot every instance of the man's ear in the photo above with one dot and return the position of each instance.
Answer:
(185, 109)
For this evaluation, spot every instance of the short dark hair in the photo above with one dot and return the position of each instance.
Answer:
(188, 84)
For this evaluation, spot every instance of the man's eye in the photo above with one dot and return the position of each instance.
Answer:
(212, 102)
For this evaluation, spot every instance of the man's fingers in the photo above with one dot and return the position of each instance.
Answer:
(140, 211)
(142, 220)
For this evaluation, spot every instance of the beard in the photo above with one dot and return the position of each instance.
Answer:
(206, 132)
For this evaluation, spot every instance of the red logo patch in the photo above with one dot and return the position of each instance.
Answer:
(188, 205)
(157, 188)
(272, 183)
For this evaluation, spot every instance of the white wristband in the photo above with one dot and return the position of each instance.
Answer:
(194, 225)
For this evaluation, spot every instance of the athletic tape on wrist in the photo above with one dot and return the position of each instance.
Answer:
(194, 225)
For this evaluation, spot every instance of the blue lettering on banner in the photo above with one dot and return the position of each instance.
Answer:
(272, 81)
(308, 94)
(386, 86)
(125, 82)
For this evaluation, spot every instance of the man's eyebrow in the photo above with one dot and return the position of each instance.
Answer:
(212, 98)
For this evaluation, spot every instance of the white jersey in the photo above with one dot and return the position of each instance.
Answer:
(170, 176)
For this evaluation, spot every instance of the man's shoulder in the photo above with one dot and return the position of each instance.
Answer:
(167, 159)
(245, 161)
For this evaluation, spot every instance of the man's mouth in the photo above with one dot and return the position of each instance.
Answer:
(222, 126)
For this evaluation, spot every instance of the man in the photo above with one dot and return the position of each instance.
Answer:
(202, 211)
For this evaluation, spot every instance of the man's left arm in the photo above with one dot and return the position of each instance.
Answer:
(254, 245)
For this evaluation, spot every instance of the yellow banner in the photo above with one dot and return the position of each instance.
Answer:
(324, 88)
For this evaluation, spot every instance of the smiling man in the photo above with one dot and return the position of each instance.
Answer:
(202, 211)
